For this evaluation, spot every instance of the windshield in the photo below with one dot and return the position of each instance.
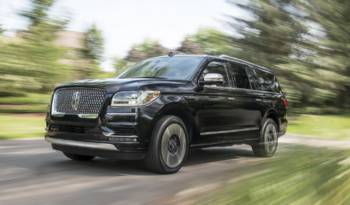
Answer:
(171, 68)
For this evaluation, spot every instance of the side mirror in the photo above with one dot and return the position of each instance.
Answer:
(212, 79)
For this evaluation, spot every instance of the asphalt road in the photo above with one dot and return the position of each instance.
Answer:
(32, 173)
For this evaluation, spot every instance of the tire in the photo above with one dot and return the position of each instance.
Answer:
(168, 147)
(268, 140)
(78, 157)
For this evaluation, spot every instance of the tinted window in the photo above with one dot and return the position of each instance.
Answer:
(265, 81)
(240, 76)
(172, 68)
(219, 68)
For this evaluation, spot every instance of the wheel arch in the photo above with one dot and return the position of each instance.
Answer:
(184, 113)
(273, 114)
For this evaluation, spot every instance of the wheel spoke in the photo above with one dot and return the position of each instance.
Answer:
(168, 158)
(173, 145)
(270, 137)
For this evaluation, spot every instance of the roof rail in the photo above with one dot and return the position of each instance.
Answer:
(229, 57)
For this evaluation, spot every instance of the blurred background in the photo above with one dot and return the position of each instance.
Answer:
(44, 43)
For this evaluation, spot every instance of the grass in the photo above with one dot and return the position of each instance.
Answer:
(304, 176)
(21, 126)
(321, 126)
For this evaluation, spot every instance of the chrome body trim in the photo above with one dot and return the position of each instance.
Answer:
(121, 114)
(229, 131)
(57, 115)
(93, 145)
(219, 143)
(88, 116)
(111, 134)
(83, 116)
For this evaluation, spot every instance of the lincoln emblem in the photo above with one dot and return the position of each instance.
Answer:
(75, 100)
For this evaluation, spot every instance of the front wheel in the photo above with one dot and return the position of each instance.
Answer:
(169, 145)
(268, 142)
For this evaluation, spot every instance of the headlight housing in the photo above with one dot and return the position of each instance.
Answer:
(134, 98)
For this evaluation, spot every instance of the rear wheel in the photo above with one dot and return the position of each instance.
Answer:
(168, 147)
(268, 143)
(78, 157)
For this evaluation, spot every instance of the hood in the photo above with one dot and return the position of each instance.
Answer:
(115, 84)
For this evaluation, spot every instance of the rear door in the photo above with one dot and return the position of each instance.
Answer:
(245, 102)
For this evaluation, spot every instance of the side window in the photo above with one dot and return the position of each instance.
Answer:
(219, 68)
(239, 76)
(265, 81)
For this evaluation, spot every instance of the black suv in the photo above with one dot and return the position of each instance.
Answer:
(163, 106)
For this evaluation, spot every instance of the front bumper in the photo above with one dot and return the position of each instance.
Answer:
(116, 132)
(82, 144)
(103, 150)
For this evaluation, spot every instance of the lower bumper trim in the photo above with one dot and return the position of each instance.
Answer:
(93, 145)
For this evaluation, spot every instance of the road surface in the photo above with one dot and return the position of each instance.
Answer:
(31, 173)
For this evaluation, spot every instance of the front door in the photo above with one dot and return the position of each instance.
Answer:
(215, 112)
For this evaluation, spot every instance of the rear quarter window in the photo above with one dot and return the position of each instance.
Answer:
(265, 81)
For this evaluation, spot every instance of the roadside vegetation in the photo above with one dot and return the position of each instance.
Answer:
(297, 39)
(303, 176)
(29, 103)
(321, 126)
(21, 126)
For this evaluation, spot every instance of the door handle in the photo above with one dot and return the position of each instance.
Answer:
(231, 98)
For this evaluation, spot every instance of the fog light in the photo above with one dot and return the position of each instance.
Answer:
(122, 139)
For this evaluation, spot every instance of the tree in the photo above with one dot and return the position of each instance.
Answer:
(333, 49)
(271, 35)
(276, 36)
(39, 12)
(144, 50)
(34, 62)
(206, 41)
(94, 44)
(190, 46)
(120, 65)
(2, 30)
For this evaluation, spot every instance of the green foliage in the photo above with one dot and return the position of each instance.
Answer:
(138, 52)
(39, 12)
(206, 41)
(2, 30)
(30, 66)
(94, 44)
(28, 103)
(33, 63)
(333, 49)
(273, 37)
(120, 64)
(303, 176)
(144, 50)
(321, 126)
(25, 126)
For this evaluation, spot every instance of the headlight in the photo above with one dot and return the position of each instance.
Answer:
(134, 98)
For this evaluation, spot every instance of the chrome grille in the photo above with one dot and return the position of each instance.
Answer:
(88, 101)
